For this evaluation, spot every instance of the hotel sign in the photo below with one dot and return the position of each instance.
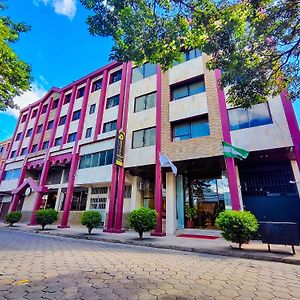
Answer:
(119, 148)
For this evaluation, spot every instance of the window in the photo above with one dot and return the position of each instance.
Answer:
(116, 76)
(80, 92)
(19, 135)
(97, 159)
(190, 54)
(143, 138)
(127, 191)
(44, 109)
(29, 132)
(88, 132)
(34, 148)
(55, 104)
(145, 102)
(24, 151)
(190, 129)
(50, 124)
(188, 90)
(110, 126)
(13, 154)
(39, 128)
(258, 115)
(62, 120)
(24, 117)
(99, 190)
(58, 141)
(1, 149)
(45, 145)
(92, 109)
(72, 137)
(98, 203)
(97, 85)
(112, 101)
(67, 98)
(34, 113)
(12, 174)
(146, 70)
(76, 115)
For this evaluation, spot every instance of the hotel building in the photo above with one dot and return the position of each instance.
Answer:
(62, 152)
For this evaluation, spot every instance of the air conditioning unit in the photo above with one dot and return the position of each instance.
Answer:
(141, 186)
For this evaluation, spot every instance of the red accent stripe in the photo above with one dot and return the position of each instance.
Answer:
(198, 236)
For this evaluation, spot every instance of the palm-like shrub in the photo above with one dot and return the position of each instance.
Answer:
(142, 220)
(91, 219)
(46, 217)
(237, 226)
(13, 217)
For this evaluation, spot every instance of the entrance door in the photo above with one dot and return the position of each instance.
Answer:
(98, 200)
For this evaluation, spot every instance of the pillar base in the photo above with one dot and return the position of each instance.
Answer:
(113, 230)
(159, 234)
(63, 226)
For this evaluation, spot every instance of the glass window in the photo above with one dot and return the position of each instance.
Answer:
(97, 85)
(29, 132)
(95, 159)
(72, 137)
(113, 101)
(34, 113)
(116, 76)
(187, 90)
(76, 115)
(92, 108)
(190, 129)
(102, 158)
(23, 151)
(50, 124)
(145, 102)
(1, 149)
(23, 118)
(34, 148)
(88, 132)
(18, 137)
(258, 115)
(13, 154)
(109, 157)
(55, 104)
(45, 145)
(80, 92)
(143, 138)
(85, 161)
(58, 141)
(110, 126)
(67, 98)
(127, 191)
(39, 128)
(12, 174)
(62, 120)
(44, 109)
(146, 70)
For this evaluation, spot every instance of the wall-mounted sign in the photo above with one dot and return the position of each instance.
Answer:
(119, 148)
(28, 191)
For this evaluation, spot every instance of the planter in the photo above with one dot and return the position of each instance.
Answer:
(190, 224)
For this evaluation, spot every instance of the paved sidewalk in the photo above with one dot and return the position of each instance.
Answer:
(254, 250)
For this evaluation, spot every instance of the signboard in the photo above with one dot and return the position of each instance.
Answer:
(119, 148)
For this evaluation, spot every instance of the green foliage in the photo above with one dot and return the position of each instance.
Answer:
(46, 217)
(190, 212)
(15, 75)
(237, 226)
(91, 219)
(256, 44)
(13, 217)
(143, 219)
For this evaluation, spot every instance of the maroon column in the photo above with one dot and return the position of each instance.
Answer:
(230, 166)
(75, 160)
(35, 127)
(39, 195)
(158, 176)
(115, 169)
(121, 180)
(16, 197)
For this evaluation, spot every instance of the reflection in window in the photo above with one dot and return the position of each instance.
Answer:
(146, 70)
(110, 126)
(145, 102)
(189, 55)
(190, 129)
(187, 90)
(143, 138)
(258, 115)
(96, 159)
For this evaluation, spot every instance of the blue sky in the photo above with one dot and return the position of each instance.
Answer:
(59, 49)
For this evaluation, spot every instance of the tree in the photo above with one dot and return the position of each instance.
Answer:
(91, 219)
(255, 43)
(15, 75)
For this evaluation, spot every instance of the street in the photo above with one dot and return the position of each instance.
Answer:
(41, 267)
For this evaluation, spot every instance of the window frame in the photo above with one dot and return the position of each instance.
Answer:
(145, 102)
(92, 109)
(188, 84)
(80, 92)
(76, 113)
(116, 74)
(109, 123)
(74, 137)
(45, 145)
(95, 85)
(113, 99)
(88, 132)
(144, 133)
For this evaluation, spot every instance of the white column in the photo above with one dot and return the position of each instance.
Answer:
(296, 174)
(136, 193)
(239, 187)
(58, 199)
(88, 201)
(171, 221)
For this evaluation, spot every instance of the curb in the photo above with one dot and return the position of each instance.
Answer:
(227, 253)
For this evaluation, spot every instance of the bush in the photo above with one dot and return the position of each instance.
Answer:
(91, 219)
(46, 216)
(142, 220)
(13, 217)
(237, 226)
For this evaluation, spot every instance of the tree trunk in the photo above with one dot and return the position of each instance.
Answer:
(141, 234)
(90, 230)
(43, 226)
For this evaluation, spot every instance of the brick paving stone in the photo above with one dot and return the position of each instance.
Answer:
(61, 268)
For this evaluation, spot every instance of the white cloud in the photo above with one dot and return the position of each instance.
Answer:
(36, 93)
(61, 7)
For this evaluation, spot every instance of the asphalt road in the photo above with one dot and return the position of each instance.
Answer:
(41, 267)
